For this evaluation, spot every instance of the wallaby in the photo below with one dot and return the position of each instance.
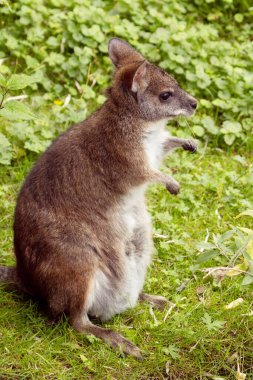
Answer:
(82, 234)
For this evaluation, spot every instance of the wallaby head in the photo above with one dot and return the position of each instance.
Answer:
(149, 91)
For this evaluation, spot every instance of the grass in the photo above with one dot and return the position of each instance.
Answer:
(199, 339)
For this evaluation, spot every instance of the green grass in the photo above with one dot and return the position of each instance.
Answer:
(187, 344)
(62, 48)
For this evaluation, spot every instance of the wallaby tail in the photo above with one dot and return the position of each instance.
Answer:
(8, 274)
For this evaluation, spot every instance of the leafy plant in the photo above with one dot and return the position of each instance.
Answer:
(233, 250)
(172, 351)
(210, 53)
(15, 115)
(212, 325)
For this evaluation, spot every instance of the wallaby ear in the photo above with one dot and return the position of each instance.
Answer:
(121, 53)
(140, 78)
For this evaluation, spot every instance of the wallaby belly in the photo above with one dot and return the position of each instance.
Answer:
(110, 296)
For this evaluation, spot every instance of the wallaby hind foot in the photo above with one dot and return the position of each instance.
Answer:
(8, 274)
(114, 339)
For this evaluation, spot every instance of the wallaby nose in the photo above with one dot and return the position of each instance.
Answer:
(194, 104)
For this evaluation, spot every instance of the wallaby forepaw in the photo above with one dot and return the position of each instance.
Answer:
(190, 145)
(173, 187)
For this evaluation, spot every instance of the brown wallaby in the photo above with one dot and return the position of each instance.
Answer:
(82, 233)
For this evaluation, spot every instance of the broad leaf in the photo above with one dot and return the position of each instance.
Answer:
(5, 150)
(3, 81)
(247, 212)
(229, 139)
(209, 124)
(247, 280)
(208, 255)
(15, 110)
(20, 81)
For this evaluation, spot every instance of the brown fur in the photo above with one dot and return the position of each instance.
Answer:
(66, 223)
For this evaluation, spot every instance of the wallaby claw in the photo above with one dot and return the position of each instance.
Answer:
(190, 145)
(117, 341)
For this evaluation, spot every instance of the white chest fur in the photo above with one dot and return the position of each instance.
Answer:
(134, 198)
(154, 138)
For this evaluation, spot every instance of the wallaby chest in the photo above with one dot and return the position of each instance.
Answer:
(153, 141)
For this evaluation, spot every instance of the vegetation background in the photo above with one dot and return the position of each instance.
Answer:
(53, 70)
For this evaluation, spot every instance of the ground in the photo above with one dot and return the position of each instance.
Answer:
(199, 338)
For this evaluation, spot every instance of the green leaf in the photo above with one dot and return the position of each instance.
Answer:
(87, 362)
(31, 62)
(12, 43)
(20, 81)
(247, 280)
(249, 260)
(247, 231)
(35, 144)
(209, 124)
(55, 59)
(221, 104)
(88, 93)
(205, 245)
(172, 351)
(3, 81)
(206, 103)
(247, 124)
(14, 110)
(212, 325)
(100, 99)
(229, 139)
(21, 130)
(231, 127)
(227, 235)
(52, 42)
(238, 17)
(245, 213)
(208, 255)
(5, 150)
(198, 130)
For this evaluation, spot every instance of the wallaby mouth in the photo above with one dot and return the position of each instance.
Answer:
(185, 111)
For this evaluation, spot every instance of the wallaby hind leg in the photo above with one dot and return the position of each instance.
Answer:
(115, 340)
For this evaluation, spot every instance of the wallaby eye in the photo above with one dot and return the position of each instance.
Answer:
(165, 95)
